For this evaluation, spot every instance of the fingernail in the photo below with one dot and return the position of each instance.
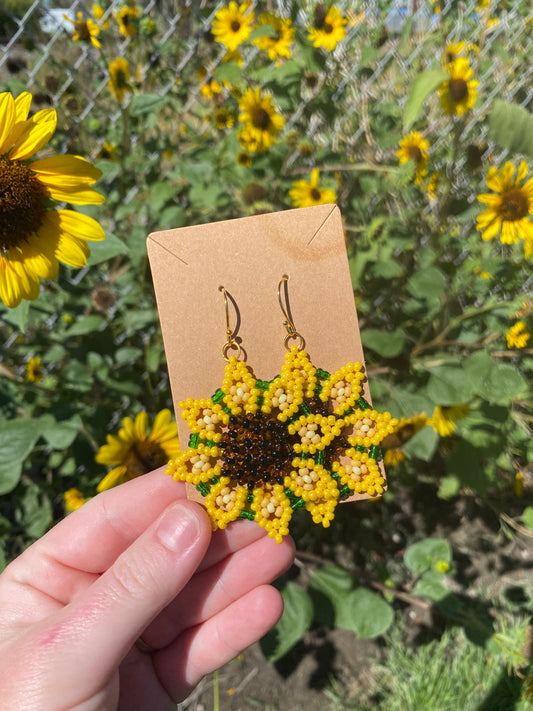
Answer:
(179, 528)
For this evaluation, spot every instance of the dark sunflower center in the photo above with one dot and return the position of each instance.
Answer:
(458, 90)
(143, 457)
(261, 118)
(83, 31)
(257, 450)
(327, 28)
(22, 203)
(121, 80)
(315, 194)
(235, 25)
(415, 153)
(515, 205)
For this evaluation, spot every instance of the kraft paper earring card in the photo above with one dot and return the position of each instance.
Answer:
(266, 367)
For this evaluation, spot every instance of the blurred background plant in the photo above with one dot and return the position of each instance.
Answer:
(416, 119)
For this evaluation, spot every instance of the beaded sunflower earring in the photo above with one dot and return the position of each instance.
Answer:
(259, 449)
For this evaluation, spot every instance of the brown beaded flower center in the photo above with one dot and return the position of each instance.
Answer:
(458, 90)
(515, 205)
(257, 450)
(144, 457)
(261, 118)
(22, 203)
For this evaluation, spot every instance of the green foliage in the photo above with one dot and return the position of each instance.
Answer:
(435, 301)
(511, 127)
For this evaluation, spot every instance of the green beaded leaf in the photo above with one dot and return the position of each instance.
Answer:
(295, 621)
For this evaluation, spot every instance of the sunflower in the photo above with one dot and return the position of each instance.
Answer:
(452, 52)
(208, 86)
(98, 13)
(223, 118)
(307, 194)
(414, 147)
(34, 370)
(509, 207)
(119, 78)
(233, 25)
(244, 159)
(261, 449)
(261, 121)
(458, 94)
(278, 44)
(127, 20)
(34, 234)
(443, 419)
(518, 335)
(84, 30)
(328, 27)
(134, 452)
(73, 499)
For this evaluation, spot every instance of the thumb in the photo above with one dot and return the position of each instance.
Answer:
(144, 579)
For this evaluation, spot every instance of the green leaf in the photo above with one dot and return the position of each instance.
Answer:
(387, 343)
(59, 435)
(296, 619)
(17, 439)
(511, 127)
(431, 586)
(496, 382)
(425, 554)
(108, 248)
(84, 325)
(427, 283)
(371, 615)
(527, 516)
(228, 71)
(449, 487)
(466, 464)
(36, 512)
(329, 588)
(18, 316)
(423, 444)
(145, 104)
(421, 88)
(264, 30)
(449, 385)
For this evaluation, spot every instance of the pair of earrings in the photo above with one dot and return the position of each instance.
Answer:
(259, 450)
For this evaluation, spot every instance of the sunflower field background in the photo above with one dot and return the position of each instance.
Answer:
(416, 119)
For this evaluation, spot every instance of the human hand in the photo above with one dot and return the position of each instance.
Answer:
(137, 560)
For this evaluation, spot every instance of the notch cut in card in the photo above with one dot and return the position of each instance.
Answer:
(275, 429)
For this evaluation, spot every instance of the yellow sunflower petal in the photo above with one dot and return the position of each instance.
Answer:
(493, 228)
(36, 132)
(66, 172)
(72, 251)
(112, 479)
(141, 426)
(24, 282)
(77, 196)
(78, 225)
(7, 119)
(163, 428)
(22, 106)
(39, 259)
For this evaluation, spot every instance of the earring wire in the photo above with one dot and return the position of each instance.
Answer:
(231, 342)
(289, 325)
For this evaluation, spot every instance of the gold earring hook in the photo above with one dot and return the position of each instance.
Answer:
(289, 325)
(231, 342)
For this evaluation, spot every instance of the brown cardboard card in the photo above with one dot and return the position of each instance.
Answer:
(248, 257)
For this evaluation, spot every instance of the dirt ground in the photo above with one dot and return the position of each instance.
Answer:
(490, 559)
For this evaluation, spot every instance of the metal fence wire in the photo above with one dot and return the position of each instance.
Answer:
(37, 53)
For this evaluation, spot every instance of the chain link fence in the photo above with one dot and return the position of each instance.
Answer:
(37, 53)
